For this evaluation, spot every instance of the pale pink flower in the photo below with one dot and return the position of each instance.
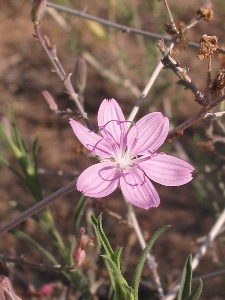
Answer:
(6, 290)
(128, 157)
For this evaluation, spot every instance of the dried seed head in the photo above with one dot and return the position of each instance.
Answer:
(208, 45)
(205, 13)
(170, 28)
(218, 82)
(180, 30)
(183, 39)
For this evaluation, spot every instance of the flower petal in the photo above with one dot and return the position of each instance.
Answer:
(149, 132)
(99, 180)
(138, 190)
(167, 170)
(92, 141)
(109, 111)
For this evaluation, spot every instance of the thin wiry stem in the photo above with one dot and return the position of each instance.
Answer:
(178, 131)
(38, 207)
(209, 276)
(147, 88)
(42, 267)
(170, 15)
(65, 78)
(181, 73)
(123, 28)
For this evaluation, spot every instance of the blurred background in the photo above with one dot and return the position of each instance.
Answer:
(118, 66)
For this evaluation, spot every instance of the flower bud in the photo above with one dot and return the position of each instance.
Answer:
(50, 100)
(6, 290)
(79, 254)
(80, 74)
(37, 11)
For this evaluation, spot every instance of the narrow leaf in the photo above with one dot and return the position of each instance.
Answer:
(196, 293)
(137, 274)
(119, 279)
(103, 248)
(185, 286)
(102, 237)
(118, 257)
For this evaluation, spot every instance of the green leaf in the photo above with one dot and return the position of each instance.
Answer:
(35, 153)
(122, 287)
(14, 132)
(102, 239)
(138, 271)
(185, 286)
(196, 293)
(103, 246)
(118, 257)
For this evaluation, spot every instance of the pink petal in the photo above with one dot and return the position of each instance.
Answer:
(138, 190)
(99, 180)
(150, 131)
(109, 111)
(92, 141)
(167, 170)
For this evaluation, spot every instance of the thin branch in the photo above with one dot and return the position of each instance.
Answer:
(42, 267)
(58, 68)
(38, 207)
(209, 276)
(121, 27)
(178, 131)
(214, 115)
(170, 15)
(147, 88)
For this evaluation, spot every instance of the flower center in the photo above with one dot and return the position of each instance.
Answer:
(123, 159)
(118, 140)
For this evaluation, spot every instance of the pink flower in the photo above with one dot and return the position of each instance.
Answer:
(128, 157)
(6, 290)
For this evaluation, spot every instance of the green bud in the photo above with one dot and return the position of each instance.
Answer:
(37, 11)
